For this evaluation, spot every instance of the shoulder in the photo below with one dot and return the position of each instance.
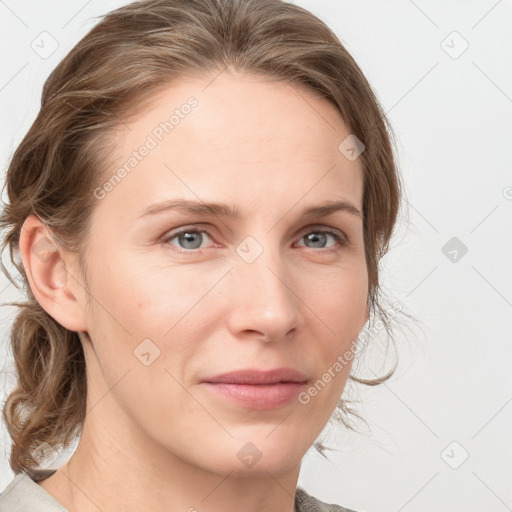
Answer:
(304, 502)
(23, 494)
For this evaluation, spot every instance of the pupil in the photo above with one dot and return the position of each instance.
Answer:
(316, 238)
(189, 239)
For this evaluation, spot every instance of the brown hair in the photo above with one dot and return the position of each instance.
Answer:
(131, 54)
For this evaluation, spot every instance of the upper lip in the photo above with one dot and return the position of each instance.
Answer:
(255, 376)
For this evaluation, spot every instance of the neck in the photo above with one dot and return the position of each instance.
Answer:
(112, 470)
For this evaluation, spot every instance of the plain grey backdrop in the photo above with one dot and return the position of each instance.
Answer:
(440, 430)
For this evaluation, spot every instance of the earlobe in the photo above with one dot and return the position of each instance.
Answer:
(49, 276)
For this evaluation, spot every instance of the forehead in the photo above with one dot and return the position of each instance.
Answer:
(234, 133)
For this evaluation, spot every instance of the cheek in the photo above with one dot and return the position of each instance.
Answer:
(146, 326)
(169, 306)
(338, 297)
(337, 307)
(149, 297)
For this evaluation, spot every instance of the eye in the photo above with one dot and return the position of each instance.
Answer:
(318, 238)
(187, 239)
(191, 239)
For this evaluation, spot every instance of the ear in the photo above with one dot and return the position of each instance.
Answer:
(51, 274)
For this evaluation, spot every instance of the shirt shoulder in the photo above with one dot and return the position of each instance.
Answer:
(23, 494)
(304, 502)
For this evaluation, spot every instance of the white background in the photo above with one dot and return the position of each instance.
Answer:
(453, 121)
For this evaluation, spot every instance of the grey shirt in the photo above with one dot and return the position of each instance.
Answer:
(23, 494)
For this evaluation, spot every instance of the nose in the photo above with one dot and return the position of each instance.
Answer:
(264, 303)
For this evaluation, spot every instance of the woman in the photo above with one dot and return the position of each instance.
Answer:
(199, 210)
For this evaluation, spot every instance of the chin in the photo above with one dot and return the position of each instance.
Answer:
(262, 454)
(275, 465)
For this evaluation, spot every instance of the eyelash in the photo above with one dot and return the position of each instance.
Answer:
(340, 238)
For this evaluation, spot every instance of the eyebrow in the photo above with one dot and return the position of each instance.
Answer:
(224, 210)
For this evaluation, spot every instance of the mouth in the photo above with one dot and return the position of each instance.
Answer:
(257, 389)
(255, 377)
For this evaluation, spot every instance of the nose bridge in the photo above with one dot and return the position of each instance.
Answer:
(265, 301)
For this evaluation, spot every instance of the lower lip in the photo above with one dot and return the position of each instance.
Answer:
(258, 396)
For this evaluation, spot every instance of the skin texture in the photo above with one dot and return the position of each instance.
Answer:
(154, 437)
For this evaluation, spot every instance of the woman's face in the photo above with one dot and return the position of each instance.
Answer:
(268, 288)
